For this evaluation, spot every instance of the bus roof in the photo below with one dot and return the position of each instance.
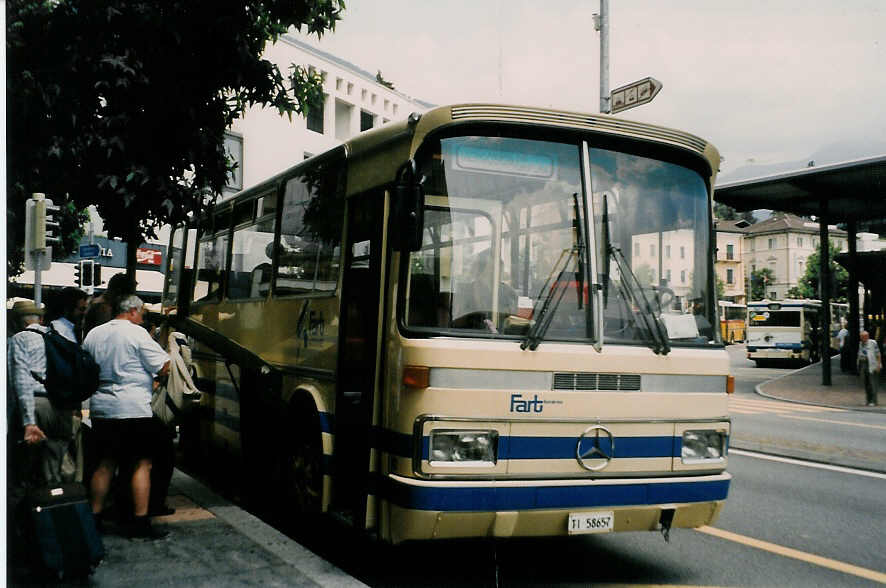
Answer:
(376, 155)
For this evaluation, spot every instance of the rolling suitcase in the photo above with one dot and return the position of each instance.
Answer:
(66, 542)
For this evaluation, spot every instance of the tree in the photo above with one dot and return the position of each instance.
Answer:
(760, 280)
(721, 289)
(124, 104)
(726, 212)
(809, 283)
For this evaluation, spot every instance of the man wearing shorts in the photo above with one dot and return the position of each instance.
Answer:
(123, 428)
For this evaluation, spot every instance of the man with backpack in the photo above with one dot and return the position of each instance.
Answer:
(37, 417)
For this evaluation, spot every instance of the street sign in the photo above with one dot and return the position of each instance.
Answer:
(634, 94)
(89, 250)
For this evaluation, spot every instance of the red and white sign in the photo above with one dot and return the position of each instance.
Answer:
(148, 256)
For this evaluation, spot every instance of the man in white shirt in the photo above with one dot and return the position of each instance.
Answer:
(869, 365)
(124, 430)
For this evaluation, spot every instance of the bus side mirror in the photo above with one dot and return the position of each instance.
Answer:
(410, 204)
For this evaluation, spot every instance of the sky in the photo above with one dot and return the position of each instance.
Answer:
(767, 82)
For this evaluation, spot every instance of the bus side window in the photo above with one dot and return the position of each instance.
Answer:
(250, 275)
(211, 266)
(310, 232)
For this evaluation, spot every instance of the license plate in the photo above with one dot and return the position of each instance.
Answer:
(590, 522)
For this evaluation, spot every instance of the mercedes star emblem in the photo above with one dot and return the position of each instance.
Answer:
(593, 449)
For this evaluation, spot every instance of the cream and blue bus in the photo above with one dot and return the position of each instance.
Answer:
(783, 331)
(464, 325)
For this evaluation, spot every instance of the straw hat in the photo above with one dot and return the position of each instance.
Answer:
(25, 307)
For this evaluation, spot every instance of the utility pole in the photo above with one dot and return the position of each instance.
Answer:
(601, 24)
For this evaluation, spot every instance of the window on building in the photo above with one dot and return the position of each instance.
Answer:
(669, 275)
(668, 251)
(636, 250)
(234, 153)
(350, 88)
(773, 295)
(339, 83)
(315, 117)
(366, 120)
(343, 112)
(682, 276)
(772, 243)
(363, 94)
(682, 252)
(799, 241)
(730, 251)
(730, 279)
(396, 108)
(652, 251)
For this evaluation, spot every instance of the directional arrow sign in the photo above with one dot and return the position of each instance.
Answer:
(633, 94)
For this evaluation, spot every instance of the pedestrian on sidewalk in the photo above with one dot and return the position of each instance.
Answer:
(122, 418)
(870, 363)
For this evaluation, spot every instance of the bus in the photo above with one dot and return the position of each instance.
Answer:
(781, 331)
(457, 326)
(733, 319)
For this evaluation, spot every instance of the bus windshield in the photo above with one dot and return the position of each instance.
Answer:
(504, 243)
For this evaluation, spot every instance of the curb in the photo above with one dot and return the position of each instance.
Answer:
(268, 538)
(758, 390)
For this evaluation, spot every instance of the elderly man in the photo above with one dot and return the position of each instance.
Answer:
(121, 414)
(33, 417)
(869, 365)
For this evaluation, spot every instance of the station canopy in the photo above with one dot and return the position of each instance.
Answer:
(853, 191)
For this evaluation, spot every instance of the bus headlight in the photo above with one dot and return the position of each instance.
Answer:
(700, 446)
(464, 447)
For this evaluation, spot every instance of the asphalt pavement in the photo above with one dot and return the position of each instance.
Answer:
(212, 542)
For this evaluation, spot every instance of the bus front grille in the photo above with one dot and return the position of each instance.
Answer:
(592, 381)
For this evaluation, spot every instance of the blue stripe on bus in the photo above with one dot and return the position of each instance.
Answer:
(564, 447)
(500, 498)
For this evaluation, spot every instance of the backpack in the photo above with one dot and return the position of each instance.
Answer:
(71, 373)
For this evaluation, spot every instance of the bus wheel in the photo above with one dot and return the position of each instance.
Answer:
(304, 469)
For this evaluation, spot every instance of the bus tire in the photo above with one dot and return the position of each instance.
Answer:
(303, 470)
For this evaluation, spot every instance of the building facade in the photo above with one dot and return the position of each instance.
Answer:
(264, 143)
(729, 264)
(783, 244)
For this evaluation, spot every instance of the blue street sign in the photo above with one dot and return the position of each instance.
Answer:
(89, 250)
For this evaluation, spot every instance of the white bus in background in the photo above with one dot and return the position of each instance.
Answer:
(783, 330)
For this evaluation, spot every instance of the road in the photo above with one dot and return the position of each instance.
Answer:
(787, 522)
(842, 437)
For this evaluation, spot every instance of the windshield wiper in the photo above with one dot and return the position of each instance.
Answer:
(651, 321)
(550, 301)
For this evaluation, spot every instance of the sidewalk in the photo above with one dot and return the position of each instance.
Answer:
(211, 543)
(804, 386)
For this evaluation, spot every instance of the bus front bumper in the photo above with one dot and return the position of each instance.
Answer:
(421, 509)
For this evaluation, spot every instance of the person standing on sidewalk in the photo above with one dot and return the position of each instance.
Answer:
(122, 419)
(870, 363)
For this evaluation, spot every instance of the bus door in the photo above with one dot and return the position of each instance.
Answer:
(358, 352)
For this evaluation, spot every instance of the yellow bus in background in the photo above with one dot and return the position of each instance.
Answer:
(733, 321)
(456, 326)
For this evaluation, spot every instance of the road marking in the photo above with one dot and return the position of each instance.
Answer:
(747, 406)
(808, 464)
(818, 560)
(801, 418)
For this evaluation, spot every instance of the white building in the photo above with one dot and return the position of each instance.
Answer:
(265, 143)
(783, 243)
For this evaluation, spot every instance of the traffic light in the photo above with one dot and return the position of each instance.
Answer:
(96, 274)
(77, 277)
(40, 224)
(86, 273)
